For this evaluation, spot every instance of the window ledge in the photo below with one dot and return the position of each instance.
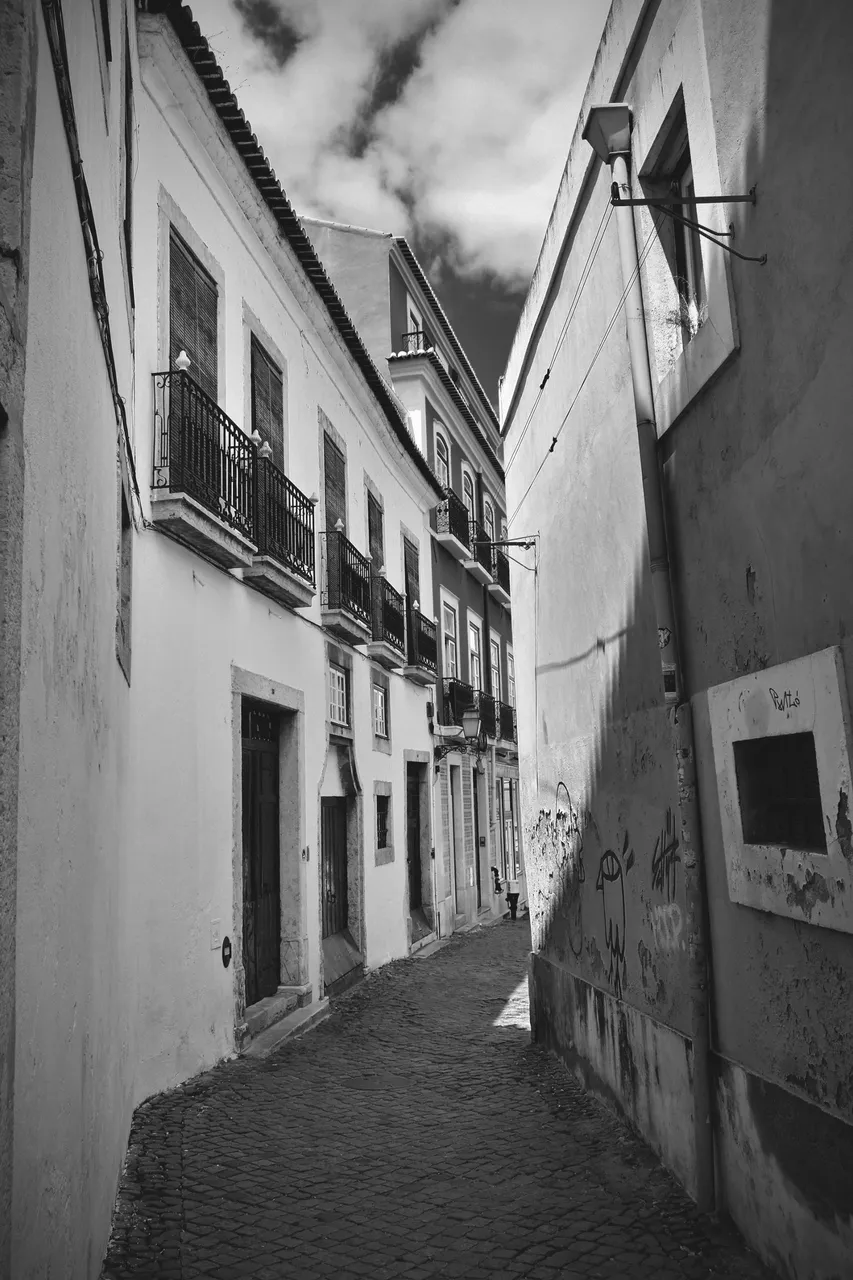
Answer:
(704, 356)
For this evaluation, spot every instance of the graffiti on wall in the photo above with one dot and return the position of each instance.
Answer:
(667, 926)
(666, 859)
(557, 839)
(612, 870)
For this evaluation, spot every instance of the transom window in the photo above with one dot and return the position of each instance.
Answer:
(442, 461)
(496, 668)
(337, 695)
(380, 712)
(448, 614)
(475, 661)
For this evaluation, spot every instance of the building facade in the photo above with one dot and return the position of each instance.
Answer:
(478, 838)
(217, 762)
(674, 420)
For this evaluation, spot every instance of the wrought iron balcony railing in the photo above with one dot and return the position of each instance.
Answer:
(416, 340)
(389, 613)
(485, 704)
(480, 545)
(458, 696)
(423, 641)
(452, 518)
(199, 451)
(285, 521)
(346, 581)
(500, 568)
(506, 722)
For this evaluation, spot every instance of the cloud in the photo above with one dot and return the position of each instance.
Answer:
(444, 120)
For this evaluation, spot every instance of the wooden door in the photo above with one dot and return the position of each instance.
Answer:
(413, 837)
(333, 865)
(335, 485)
(476, 788)
(261, 852)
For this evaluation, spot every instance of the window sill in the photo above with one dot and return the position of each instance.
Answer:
(382, 744)
(704, 356)
(340, 732)
(384, 856)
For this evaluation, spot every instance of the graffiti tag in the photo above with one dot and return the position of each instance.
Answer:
(786, 700)
(666, 858)
(667, 926)
(611, 885)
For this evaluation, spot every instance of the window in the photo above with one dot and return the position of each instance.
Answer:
(689, 276)
(495, 646)
(509, 827)
(489, 520)
(380, 712)
(412, 571)
(442, 461)
(468, 494)
(338, 695)
(448, 616)
(375, 538)
(335, 484)
(475, 662)
(383, 805)
(192, 315)
(779, 791)
(510, 678)
(504, 534)
(268, 401)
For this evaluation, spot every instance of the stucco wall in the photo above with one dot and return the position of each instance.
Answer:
(357, 262)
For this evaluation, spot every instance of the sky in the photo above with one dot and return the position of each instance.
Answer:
(446, 121)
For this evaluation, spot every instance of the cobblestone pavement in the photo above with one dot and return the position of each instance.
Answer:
(415, 1133)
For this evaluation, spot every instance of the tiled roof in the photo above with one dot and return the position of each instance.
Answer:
(263, 176)
(446, 326)
(400, 357)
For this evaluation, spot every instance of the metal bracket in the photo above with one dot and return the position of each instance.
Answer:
(664, 203)
(654, 201)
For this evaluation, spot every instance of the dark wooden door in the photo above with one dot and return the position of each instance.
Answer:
(261, 868)
(333, 867)
(413, 837)
(335, 485)
(476, 790)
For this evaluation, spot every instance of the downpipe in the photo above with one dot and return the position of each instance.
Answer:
(681, 717)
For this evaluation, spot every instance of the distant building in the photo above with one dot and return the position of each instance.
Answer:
(478, 839)
(676, 427)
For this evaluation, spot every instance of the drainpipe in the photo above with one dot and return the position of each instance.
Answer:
(608, 131)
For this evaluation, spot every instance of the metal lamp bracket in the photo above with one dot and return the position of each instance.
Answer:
(665, 203)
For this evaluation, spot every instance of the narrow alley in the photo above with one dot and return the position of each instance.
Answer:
(414, 1133)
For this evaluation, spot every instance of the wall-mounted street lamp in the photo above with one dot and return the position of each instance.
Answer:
(473, 739)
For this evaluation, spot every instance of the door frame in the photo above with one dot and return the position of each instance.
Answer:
(295, 948)
(428, 869)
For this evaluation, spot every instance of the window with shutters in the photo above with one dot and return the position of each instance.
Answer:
(475, 659)
(496, 669)
(268, 401)
(334, 484)
(375, 538)
(510, 677)
(448, 627)
(192, 315)
(412, 571)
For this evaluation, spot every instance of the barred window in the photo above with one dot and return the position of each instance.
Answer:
(337, 695)
(382, 806)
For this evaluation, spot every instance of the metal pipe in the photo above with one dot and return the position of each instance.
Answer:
(682, 720)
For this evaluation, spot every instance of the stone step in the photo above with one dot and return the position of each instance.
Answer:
(295, 1024)
(272, 1009)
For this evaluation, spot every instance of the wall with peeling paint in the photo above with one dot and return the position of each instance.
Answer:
(753, 420)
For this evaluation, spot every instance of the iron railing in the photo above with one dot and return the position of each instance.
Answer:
(199, 451)
(346, 580)
(423, 641)
(500, 568)
(389, 613)
(485, 704)
(285, 521)
(458, 696)
(481, 545)
(416, 340)
(506, 722)
(452, 517)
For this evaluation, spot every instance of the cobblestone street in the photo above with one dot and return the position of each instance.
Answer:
(414, 1133)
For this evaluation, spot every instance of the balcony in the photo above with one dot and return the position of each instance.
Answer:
(499, 587)
(284, 528)
(458, 696)
(388, 621)
(422, 649)
(416, 341)
(452, 531)
(203, 487)
(479, 559)
(506, 723)
(345, 599)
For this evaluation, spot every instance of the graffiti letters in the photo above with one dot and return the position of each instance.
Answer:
(557, 838)
(667, 925)
(665, 859)
(611, 885)
(786, 700)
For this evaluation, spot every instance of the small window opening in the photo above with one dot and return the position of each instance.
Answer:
(779, 792)
(382, 807)
(673, 176)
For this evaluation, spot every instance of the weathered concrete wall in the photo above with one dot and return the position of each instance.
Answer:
(75, 1035)
(17, 111)
(752, 417)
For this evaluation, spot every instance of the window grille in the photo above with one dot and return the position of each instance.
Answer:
(382, 806)
(338, 695)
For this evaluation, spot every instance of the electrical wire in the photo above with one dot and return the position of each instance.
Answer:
(598, 351)
(573, 305)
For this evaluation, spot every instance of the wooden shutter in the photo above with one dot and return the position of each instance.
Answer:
(268, 402)
(192, 316)
(335, 472)
(411, 570)
(374, 533)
